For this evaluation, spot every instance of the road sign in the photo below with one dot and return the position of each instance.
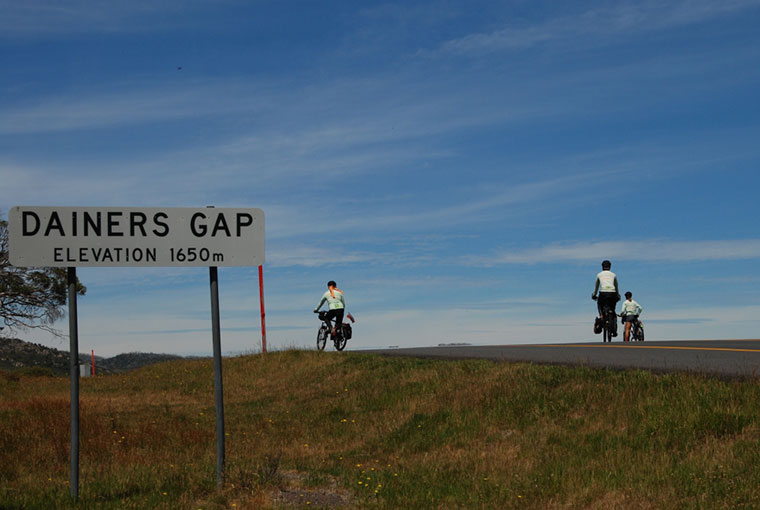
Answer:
(130, 236)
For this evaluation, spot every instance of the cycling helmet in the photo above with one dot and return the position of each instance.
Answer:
(628, 294)
(331, 283)
(606, 264)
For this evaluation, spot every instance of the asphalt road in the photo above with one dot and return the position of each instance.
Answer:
(731, 358)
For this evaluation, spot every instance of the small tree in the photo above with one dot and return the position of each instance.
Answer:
(31, 297)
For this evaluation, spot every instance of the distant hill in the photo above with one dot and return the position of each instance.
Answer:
(16, 354)
(133, 360)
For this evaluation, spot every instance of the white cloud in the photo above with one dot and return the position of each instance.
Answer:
(623, 18)
(132, 103)
(61, 185)
(496, 203)
(46, 18)
(116, 332)
(643, 251)
(316, 256)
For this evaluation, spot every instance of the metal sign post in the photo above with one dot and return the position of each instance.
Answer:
(218, 393)
(74, 373)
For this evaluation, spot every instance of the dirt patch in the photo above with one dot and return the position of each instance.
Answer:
(292, 492)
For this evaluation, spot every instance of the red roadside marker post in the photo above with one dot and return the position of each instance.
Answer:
(263, 314)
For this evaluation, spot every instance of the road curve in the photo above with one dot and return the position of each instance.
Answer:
(731, 358)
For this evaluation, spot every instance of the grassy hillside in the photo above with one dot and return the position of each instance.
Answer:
(348, 430)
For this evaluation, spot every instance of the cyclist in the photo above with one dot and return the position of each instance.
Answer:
(336, 304)
(607, 287)
(629, 312)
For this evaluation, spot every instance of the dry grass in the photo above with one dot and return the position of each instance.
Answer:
(345, 430)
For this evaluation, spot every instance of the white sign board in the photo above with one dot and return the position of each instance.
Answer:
(129, 236)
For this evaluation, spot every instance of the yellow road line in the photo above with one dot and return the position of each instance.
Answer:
(739, 340)
(658, 347)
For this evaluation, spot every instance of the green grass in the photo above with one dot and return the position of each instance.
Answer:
(384, 433)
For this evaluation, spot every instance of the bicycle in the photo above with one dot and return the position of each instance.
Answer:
(342, 334)
(637, 330)
(609, 319)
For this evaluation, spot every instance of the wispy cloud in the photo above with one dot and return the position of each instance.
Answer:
(473, 207)
(315, 256)
(645, 251)
(134, 103)
(622, 19)
(720, 316)
(46, 18)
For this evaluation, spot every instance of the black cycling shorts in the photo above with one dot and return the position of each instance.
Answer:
(336, 314)
(607, 298)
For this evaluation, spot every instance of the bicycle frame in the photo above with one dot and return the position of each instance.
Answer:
(325, 329)
(609, 320)
(637, 330)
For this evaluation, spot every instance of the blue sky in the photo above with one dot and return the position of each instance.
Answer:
(460, 169)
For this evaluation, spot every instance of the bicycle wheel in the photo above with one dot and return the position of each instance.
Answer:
(638, 333)
(609, 325)
(340, 342)
(321, 338)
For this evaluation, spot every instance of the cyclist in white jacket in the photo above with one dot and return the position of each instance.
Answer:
(607, 287)
(629, 311)
(336, 304)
